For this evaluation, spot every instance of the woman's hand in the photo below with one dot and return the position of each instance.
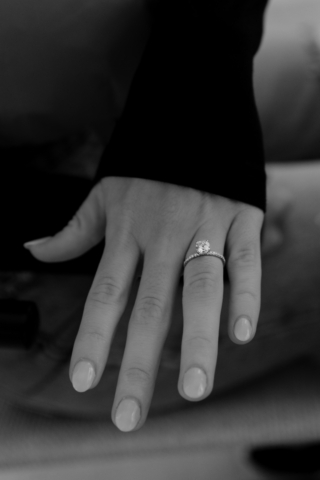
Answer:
(154, 226)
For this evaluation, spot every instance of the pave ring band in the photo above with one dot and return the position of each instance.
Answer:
(203, 249)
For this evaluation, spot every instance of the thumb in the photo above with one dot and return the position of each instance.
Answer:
(85, 230)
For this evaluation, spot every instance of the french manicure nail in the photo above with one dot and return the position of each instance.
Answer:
(83, 376)
(127, 415)
(194, 382)
(243, 329)
(32, 243)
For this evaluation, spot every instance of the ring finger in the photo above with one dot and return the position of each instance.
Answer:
(202, 303)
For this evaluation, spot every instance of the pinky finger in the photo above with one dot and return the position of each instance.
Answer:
(244, 269)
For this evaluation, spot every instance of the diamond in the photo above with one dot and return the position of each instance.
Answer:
(203, 246)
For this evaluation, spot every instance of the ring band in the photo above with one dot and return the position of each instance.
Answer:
(203, 249)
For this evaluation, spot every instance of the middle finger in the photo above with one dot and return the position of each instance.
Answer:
(147, 331)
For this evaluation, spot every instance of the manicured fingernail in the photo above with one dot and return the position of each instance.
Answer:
(243, 329)
(32, 243)
(194, 382)
(127, 415)
(83, 376)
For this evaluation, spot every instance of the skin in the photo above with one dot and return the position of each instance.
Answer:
(149, 228)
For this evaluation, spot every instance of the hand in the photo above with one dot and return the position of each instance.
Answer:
(154, 226)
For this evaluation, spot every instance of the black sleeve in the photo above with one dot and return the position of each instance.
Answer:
(190, 118)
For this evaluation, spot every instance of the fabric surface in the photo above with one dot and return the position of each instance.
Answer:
(282, 409)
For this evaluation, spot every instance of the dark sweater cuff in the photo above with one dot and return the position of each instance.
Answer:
(190, 117)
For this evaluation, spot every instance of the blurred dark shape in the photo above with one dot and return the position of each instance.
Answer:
(19, 323)
(304, 459)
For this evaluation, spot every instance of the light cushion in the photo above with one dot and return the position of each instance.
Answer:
(287, 80)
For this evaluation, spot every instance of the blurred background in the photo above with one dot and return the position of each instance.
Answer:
(66, 69)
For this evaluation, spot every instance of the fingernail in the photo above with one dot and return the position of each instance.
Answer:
(83, 376)
(243, 329)
(36, 242)
(127, 415)
(194, 382)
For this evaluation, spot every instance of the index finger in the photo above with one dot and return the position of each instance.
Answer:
(104, 306)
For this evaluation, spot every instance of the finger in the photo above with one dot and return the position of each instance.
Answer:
(244, 269)
(147, 331)
(202, 303)
(84, 231)
(104, 306)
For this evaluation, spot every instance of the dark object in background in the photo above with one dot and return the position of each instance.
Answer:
(300, 459)
(19, 323)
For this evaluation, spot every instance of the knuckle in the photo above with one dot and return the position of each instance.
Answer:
(106, 292)
(138, 376)
(200, 343)
(201, 284)
(151, 310)
(76, 222)
(251, 295)
(245, 256)
(93, 336)
(249, 218)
